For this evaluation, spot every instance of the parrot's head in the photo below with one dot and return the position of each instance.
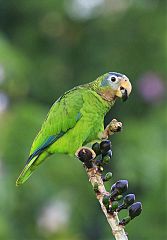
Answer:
(112, 85)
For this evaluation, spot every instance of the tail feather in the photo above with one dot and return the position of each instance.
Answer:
(36, 158)
(26, 172)
(30, 167)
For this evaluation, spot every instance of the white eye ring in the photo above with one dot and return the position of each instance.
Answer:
(113, 78)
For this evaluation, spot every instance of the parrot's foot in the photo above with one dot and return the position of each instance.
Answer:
(97, 156)
(86, 155)
(113, 127)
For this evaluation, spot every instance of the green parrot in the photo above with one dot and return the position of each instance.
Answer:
(76, 119)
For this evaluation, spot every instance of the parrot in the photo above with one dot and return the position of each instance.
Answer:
(76, 119)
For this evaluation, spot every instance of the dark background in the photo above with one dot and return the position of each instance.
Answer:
(46, 48)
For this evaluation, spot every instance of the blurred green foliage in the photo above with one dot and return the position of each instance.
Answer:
(46, 48)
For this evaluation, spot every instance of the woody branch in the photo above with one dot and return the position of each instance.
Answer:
(93, 160)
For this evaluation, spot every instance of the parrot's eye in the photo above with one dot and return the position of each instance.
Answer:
(113, 78)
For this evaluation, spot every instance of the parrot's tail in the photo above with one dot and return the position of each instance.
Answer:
(30, 167)
(26, 173)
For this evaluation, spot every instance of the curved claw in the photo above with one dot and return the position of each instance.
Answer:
(113, 127)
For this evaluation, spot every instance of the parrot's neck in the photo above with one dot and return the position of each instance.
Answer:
(106, 94)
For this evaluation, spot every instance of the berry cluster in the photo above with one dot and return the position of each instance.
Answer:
(111, 201)
(103, 152)
(97, 157)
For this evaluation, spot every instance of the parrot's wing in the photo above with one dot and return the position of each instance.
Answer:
(62, 116)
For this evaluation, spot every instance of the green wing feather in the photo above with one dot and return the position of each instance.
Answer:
(62, 116)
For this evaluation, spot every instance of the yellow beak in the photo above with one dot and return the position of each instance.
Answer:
(124, 89)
